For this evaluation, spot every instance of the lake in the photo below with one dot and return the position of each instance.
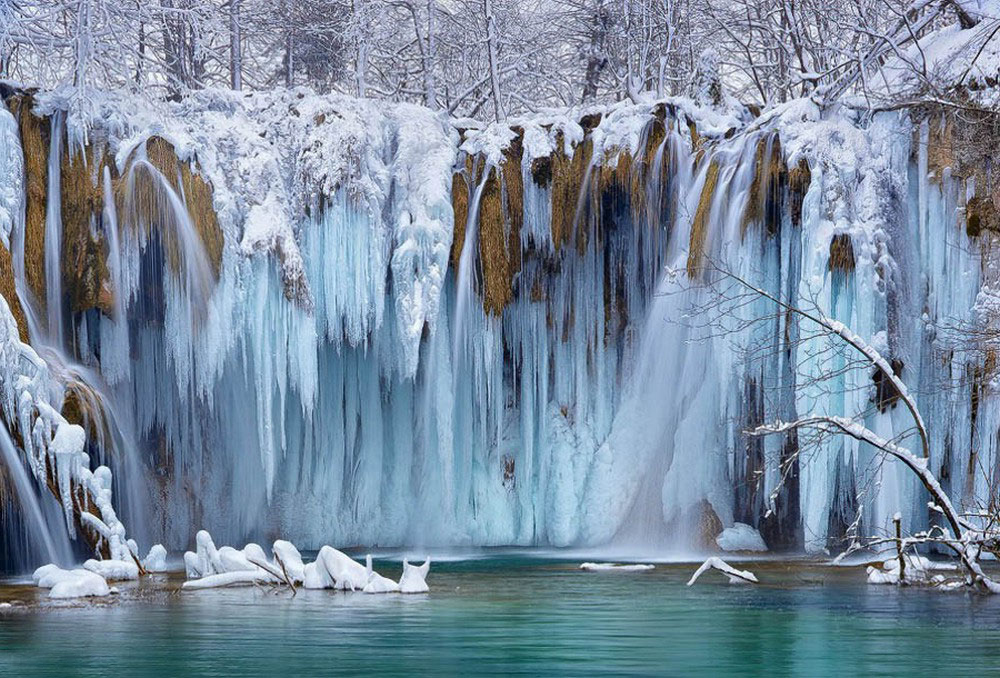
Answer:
(514, 614)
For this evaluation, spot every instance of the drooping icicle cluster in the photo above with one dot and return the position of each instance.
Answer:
(351, 323)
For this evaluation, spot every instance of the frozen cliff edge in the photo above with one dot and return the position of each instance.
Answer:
(327, 386)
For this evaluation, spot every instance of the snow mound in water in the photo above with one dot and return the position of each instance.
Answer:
(918, 570)
(287, 557)
(156, 559)
(70, 583)
(616, 567)
(740, 537)
(113, 570)
(209, 567)
(414, 579)
(376, 582)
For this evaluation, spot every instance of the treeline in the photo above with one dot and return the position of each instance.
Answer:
(479, 58)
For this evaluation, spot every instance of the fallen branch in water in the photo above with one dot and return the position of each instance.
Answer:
(716, 563)
(281, 576)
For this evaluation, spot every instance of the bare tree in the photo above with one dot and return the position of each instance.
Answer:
(967, 535)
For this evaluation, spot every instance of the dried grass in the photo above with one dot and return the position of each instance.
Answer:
(461, 195)
(84, 253)
(769, 179)
(568, 174)
(841, 253)
(35, 135)
(513, 189)
(799, 178)
(494, 256)
(699, 227)
(9, 291)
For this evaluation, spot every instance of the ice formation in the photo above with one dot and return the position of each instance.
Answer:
(916, 569)
(113, 570)
(70, 583)
(156, 559)
(209, 568)
(376, 582)
(414, 579)
(301, 337)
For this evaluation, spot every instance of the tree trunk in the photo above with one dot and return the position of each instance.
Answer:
(491, 44)
(235, 53)
(596, 58)
(430, 83)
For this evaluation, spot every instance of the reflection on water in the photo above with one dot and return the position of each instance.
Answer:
(516, 615)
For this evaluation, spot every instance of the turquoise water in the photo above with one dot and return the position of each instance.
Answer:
(518, 616)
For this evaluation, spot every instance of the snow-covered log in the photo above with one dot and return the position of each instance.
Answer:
(616, 567)
(715, 563)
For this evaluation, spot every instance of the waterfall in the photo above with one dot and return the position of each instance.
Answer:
(466, 273)
(601, 397)
(53, 236)
(45, 535)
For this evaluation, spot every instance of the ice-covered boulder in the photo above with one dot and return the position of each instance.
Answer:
(315, 576)
(740, 537)
(208, 554)
(77, 583)
(156, 559)
(255, 554)
(205, 559)
(192, 566)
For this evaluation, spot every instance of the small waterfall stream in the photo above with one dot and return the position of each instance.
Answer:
(47, 536)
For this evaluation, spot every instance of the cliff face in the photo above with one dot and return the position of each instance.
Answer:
(340, 322)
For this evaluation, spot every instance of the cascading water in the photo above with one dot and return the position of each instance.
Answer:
(53, 238)
(565, 385)
(45, 532)
(466, 264)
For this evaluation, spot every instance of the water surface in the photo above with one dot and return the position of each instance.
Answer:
(515, 615)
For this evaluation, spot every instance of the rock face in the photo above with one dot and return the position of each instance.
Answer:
(709, 526)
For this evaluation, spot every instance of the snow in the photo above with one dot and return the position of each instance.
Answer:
(740, 537)
(615, 567)
(376, 582)
(732, 574)
(289, 558)
(414, 579)
(223, 579)
(113, 570)
(946, 57)
(332, 323)
(347, 574)
(212, 568)
(11, 175)
(156, 559)
(232, 560)
(62, 583)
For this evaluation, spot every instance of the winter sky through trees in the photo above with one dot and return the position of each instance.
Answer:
(477, 58)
